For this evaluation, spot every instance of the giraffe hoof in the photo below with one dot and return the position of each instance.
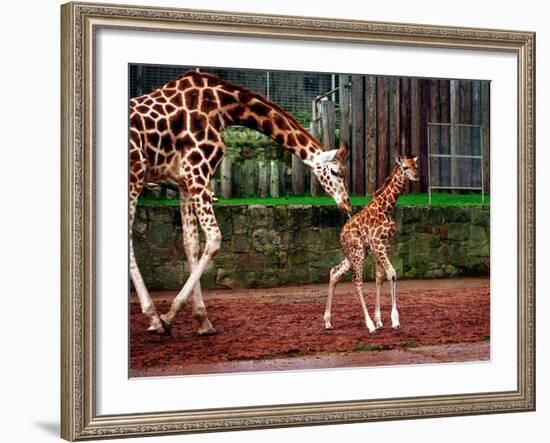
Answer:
(329, 327)
(167, 327)
(208, 331)
(396, 328)
(373, 331)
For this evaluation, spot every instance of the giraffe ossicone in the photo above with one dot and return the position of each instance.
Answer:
(175, 137)
(372, 229)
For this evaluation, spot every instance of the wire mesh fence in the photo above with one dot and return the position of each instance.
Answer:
(455, 158)
(293, 91)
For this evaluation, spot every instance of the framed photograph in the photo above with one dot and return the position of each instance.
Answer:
(282, 221)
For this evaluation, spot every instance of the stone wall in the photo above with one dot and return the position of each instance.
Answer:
(266, 246)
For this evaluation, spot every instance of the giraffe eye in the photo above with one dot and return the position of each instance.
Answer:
(333, 172)
(405, 168)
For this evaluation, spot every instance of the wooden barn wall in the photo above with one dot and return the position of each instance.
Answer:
(390, 116)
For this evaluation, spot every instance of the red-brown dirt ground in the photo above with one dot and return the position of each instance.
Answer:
(282, 328)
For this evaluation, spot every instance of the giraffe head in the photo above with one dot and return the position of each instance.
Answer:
(330, 168)
(409, 167)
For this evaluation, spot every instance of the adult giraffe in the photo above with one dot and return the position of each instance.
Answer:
(175, 136)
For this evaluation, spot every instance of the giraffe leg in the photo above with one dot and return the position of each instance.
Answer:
(357, 279)
(379, 280)
(202, 206)
(191, 246)
(336, 273)
(381, 253)
(147, 305)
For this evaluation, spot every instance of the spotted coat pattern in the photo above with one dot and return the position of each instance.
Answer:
(175, 137)
(371, 230)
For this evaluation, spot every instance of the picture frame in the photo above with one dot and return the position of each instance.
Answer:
(80, 23)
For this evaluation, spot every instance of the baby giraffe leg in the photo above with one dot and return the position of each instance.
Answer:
(382, 260)
(379, 280)
(336, 273)
(357, 269)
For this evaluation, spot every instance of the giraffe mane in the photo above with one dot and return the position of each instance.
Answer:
(382, 188)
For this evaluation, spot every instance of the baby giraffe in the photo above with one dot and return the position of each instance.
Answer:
(371, 229)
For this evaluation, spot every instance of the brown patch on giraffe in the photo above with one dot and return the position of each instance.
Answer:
(168, 93)
(162, 125)
(191, 99)
(166, 142)
(207, 149)
(184, 83)
(142, 109)
(153, 139)
(150, 124)
(302, 139)
(212, 135)
(303, 154)
(168, 108)
(154, 114)
(260, 109)
(267, 127)
(205, 169)
(290, 140)
(184, 143)
(159, 108)
(148, 102)
(161, 100)
(177, 122)
(195, 157)
(198, 123)
(280, 122)
(226, 99)
(215, 159)
(137, 122)
(280, 138)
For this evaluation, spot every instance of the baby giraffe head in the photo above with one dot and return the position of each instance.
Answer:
(330, 168)
(409, 167)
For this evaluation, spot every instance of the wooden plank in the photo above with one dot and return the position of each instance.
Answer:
(445, 133)
(466, 131)
(435, 139)
(262, 179)
(415, 126)
(345, 117)
(236, 179)
(382, 129)
(370, 134)
(274, 178)
(476, 133)
(328, 124)
(455, 133)
(486, 133)
(314, 186)
(358, 138)
(282, 176)
(394, 120)
(298, 176)
(424, 118)
(405, 130)
(249, 175)
(225, 177)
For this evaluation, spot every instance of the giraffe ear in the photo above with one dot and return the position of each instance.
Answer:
(399, 160)
(343, 153)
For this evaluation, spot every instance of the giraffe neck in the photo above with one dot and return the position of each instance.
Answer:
(240, 106)
(386, 196)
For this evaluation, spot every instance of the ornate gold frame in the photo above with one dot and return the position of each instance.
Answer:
(79, 420)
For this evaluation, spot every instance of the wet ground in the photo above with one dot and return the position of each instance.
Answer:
(283, 329)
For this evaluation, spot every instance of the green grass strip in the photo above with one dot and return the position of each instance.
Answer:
(419, 199)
